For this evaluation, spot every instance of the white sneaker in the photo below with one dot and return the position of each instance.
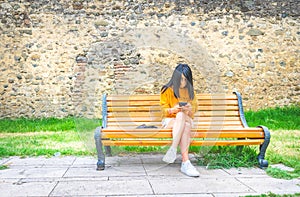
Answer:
(170, 156)
(188, 169)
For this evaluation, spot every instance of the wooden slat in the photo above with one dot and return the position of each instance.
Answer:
(217, 113)
(219, 127)
(132, 97)
(157, 114)
(133, 103)
(133, 119)
(150, 115)
(132, 116)
(218, 108)
(225, 123)
(227, 129)
(158, 119)
(217, 102)
(193, 143)
(134, 109)
(157, 97)
(156, 103)
(216, 96)
(137, 108)
(134, 124)
(193, 134)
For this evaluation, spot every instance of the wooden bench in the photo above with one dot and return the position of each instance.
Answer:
(219, 121)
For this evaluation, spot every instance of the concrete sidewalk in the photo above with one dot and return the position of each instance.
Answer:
(131, 175)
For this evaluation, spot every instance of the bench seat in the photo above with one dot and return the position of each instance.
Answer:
(219, 121)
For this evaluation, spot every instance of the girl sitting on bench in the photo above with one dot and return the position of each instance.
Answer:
(179, 103)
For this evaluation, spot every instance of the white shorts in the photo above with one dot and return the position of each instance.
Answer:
(165, 122)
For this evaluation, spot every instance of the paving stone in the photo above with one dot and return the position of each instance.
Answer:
(268, 184)
(211, 172)
(4, 160)
(174, 170)
(126, 160)
(124, 187)
(152, 159)
(41, 161)
(84, 161)
(26, 188)
(174, 195)
(25, 172)
(283, 167)
(125, 178)
(163, 170)
(62, 179)
(109, 171)
(246, 172)
(231, 194)
(169, 185)
(77, 176)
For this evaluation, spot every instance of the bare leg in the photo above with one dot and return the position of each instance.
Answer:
(185, 142)
(178, 128)
(186, 166)
(181, 127)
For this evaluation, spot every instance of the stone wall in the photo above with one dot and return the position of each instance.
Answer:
(58, 57)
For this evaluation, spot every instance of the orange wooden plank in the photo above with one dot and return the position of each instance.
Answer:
(202, 123)
(133, 97)
(226, 129)
(156, 103)
(193, 143)
(217, 113)
(159, 119)
(143, 108)
(132, 103)
(158, 123)
(134, 119)
(193, 134)
(149, 114)
(156, 116)
(217, 102)
(157, 97)
(216, 96)
(207, 127)
(134, 109)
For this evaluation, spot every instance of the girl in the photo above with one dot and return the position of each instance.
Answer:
(179, 103)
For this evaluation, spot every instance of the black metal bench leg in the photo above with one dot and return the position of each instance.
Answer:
(262, 149)
(100, 154)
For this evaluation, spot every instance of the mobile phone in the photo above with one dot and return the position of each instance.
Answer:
(181, 104)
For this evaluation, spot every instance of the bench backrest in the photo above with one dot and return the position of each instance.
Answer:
(216, 111)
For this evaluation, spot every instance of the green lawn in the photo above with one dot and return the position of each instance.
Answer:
(279, 118)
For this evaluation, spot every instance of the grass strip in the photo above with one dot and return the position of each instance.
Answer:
(274, 195)
(227, 157)
(21, 125)
(43, 143)
(278, 118)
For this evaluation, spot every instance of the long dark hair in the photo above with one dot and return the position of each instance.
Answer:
(176, 79)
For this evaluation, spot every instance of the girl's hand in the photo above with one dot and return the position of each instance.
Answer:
(175, 109)
(187, 109)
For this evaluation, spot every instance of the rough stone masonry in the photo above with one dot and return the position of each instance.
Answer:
(58, 57)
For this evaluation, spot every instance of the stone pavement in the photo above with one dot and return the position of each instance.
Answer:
(131, 175)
